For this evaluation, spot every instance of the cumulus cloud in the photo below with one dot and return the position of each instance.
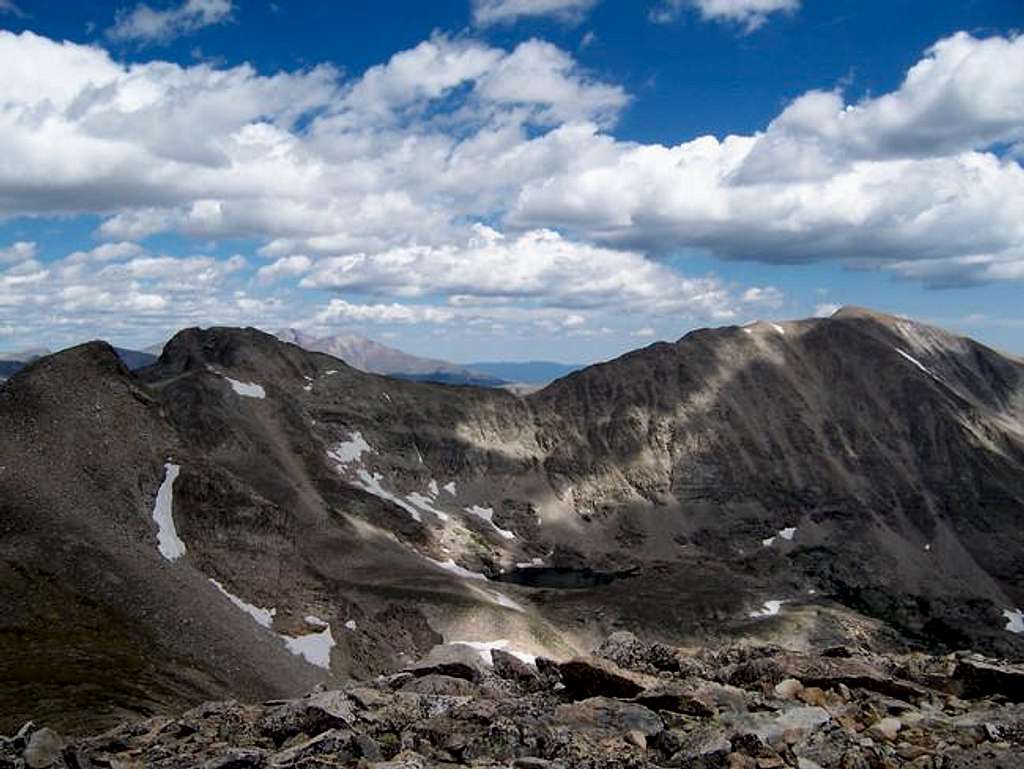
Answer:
(368, 187)
(121, 289)
(143, 24)
(339, 310)
(487, 12)
(540, 267)
(22, 251)
(286, 267)
(963, 95)
(750, 14)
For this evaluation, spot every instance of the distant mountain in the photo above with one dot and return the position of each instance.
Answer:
(375, 358)
(526, 372)
(135, 359)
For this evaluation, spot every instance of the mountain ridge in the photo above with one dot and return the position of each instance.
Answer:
(799, 466)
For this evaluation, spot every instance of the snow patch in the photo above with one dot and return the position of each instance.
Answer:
(351, 625)
(453, 568)
(781, 331)
(1014, 621)
(352, 450)
(168, 542)
(487, 514)
(536, 563)
(450, 488)
(315, 648)
(504, 601)
(483, 648)
(426, 503)
(917, 363)
(786, 534)
(247, 389)
(432, 486)
(770, 609)
(264, 617)
(371, 483)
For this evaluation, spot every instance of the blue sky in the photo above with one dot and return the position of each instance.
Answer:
(515, 179)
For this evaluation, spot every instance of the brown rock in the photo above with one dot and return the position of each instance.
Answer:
(676, 698)
(599, 678)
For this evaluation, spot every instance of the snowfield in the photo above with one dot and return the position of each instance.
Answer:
(919, 364)
(1014, 621)
(247, 389)
(168, 542)
(371, 484)
(487, 514)
(264, 617)
(315, 648)
(453, 568)
(352, 450)
(771, 608)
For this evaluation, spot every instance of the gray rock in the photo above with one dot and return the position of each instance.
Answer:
(605, 714)
(44, 749)
(238, 759)
(338, 743)
(312, 715)
(511, 668)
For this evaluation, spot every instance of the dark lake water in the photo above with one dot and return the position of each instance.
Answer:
(562, 578)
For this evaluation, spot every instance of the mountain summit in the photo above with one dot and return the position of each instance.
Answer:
(373, 357)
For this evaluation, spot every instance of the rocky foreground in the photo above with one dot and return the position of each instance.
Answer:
(631, 704)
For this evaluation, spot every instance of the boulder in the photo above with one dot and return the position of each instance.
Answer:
(605, 714)
(456, 661)
(314, 714)
(677, 698)
(336, 743)
(511, 668)
(436, 683)
(44, 749)
(980, 678)
(594, 677)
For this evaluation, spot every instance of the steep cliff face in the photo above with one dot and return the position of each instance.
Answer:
(325, 523)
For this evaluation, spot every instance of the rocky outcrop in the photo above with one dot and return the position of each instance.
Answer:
(508, 720)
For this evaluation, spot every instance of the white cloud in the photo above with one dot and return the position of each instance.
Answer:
(122, 291)
(487, 12)
(367, 186)
(539, 267)
(963, 95)
(341, 311)
(143, 24)
(22, 251)
(751, 14)
(286, 267)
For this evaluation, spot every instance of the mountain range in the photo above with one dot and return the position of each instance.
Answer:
(245, 518)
